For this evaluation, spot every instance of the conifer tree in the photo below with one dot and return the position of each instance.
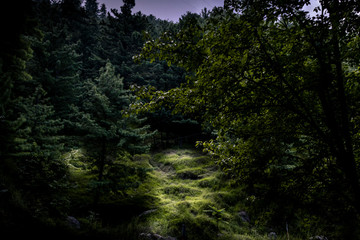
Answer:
(30, 167)
(126, 8)
(91, 8)
(102, 11)
(101, 122)
(91, 38)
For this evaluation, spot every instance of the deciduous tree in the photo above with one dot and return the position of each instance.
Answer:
(275, 84)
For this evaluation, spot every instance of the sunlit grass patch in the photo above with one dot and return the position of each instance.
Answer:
(180, 188)
(193, 173)
(181, 191)
(208, 182)
(76, 160)
(186, 188)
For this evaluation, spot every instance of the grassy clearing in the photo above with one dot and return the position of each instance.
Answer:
(183, 188)
(187, 185)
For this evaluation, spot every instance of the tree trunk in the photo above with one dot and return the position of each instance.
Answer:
(101, 166)
(339, 141)
(346, 159)
(102, 159)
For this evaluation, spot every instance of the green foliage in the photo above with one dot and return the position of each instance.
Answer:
(32, 175)
(271, 82)
(217, 214)
(52, 96)
(104, 131)
(121, 177)
(277, 89)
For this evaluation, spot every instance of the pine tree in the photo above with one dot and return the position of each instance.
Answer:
(101, 123)
(91, 38)
(30, 167)
(91, 8)
(126, 8)
(15, 52)
(102, 12)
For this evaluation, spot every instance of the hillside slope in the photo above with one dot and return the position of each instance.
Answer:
(192, 199)
(182, 195)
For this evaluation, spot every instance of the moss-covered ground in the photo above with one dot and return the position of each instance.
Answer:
(184, 196)
(192, 200)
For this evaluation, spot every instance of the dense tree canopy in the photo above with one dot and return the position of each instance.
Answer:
(278, 87)
(60, 89)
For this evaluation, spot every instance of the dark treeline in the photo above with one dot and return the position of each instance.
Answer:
(66, 69)
(280, 87)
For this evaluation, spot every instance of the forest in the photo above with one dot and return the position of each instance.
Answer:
(241, 122)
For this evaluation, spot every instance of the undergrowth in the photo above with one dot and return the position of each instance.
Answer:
(179, 196)
(187, 185)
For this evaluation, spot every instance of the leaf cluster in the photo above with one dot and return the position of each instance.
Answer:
(271, 80)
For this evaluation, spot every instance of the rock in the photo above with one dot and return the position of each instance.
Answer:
(4, 190)
(244, 216)
(319, 238)
(73, 222)
(154, 236)
(145, 236)
(272, 235)
(147, 212)
(170, 238)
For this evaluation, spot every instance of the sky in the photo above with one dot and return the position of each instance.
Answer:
(173, 9)
(166, 9)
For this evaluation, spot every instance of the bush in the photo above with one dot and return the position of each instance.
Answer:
(141, 158)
